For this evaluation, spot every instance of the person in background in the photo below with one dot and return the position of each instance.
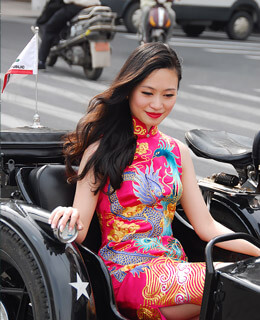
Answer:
(54, 21)
(145, 6)
(132, 175)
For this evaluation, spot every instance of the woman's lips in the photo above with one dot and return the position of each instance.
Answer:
(153, 115)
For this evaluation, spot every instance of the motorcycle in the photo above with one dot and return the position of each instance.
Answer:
(85, 41)
(46, 275)
(158, 23)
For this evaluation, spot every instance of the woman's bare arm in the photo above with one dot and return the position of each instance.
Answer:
(84, 204)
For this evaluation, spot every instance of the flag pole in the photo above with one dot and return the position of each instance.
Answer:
(36, 118)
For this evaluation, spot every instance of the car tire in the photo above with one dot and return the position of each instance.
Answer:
(23, 292)
(240, 26)
(131, 17)
(193, 30)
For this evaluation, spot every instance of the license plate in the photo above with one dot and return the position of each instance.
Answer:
(102, 46)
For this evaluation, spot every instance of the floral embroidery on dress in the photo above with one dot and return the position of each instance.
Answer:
(148, 266)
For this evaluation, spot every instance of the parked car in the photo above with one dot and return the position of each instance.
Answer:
(237, 17)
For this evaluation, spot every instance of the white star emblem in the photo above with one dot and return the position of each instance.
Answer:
(81, 287)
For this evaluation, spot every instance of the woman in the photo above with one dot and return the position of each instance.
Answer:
(132, 175)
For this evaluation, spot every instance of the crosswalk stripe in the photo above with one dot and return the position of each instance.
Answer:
(253, 57)
(80, 82)
(240, 123)
(242, 44)
(241, 108)
(7, 119)
(189, 42)
(30, 83)
(179, 125)
(226, 92)
(43, 107)
(181, 108)
(248, 49)
(231, 51)
(216, 47)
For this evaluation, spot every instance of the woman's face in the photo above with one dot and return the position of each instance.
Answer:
(153, 99)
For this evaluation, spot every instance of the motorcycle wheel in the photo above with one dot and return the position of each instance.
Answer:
(92, 74)
(51, 60)
(23, 294)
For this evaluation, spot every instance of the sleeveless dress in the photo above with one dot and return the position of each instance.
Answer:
(148, 266)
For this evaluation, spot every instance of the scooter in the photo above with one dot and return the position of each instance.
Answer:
(158, 22)
(45, 275)
(85, 41)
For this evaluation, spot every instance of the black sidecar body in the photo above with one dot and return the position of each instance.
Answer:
(47, 276)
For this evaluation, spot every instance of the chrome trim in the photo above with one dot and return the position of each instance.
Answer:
(210, 185)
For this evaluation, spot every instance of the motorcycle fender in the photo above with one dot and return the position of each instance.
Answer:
(239, 208)
(100, 54)
(61, 265)
(157, 33)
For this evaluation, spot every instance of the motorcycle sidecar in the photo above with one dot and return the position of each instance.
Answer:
(41, 277)
(233, 291)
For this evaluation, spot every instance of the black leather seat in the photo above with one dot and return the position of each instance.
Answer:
(47, 187)
(220, 146)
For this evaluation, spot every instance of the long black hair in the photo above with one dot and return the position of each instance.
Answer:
(108, 119)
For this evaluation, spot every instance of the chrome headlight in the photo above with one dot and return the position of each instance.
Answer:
(254, 202)
(66, 235)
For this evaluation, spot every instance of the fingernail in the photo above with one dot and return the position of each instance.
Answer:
(53, 226)
(49, 221)
(61, 228)
(80, 227)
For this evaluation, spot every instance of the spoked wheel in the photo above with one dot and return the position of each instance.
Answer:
(23, 294)
(51, 60)
(92, 73)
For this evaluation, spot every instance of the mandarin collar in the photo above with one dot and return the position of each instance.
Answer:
(140, 129)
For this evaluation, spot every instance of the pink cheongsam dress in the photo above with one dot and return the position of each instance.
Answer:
(148, 266)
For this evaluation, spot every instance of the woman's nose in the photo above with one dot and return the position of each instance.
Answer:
(156, 103)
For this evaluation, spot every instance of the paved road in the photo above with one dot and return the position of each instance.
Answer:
(220, 88)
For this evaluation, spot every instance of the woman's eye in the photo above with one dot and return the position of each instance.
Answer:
(147, 93)
(169, 95)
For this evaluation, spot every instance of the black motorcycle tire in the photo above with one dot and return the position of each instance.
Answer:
(23, 293)
(92, 74)
(51, 60)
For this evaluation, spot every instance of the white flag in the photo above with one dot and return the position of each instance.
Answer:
(26, 63)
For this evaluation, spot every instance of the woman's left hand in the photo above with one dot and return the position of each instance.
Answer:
(61, 215)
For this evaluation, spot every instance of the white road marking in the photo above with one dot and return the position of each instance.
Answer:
(6, 119)
(44, 108)
(229, 51)
(226, 92)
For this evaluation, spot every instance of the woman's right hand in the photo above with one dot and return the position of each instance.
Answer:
(61, 215)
